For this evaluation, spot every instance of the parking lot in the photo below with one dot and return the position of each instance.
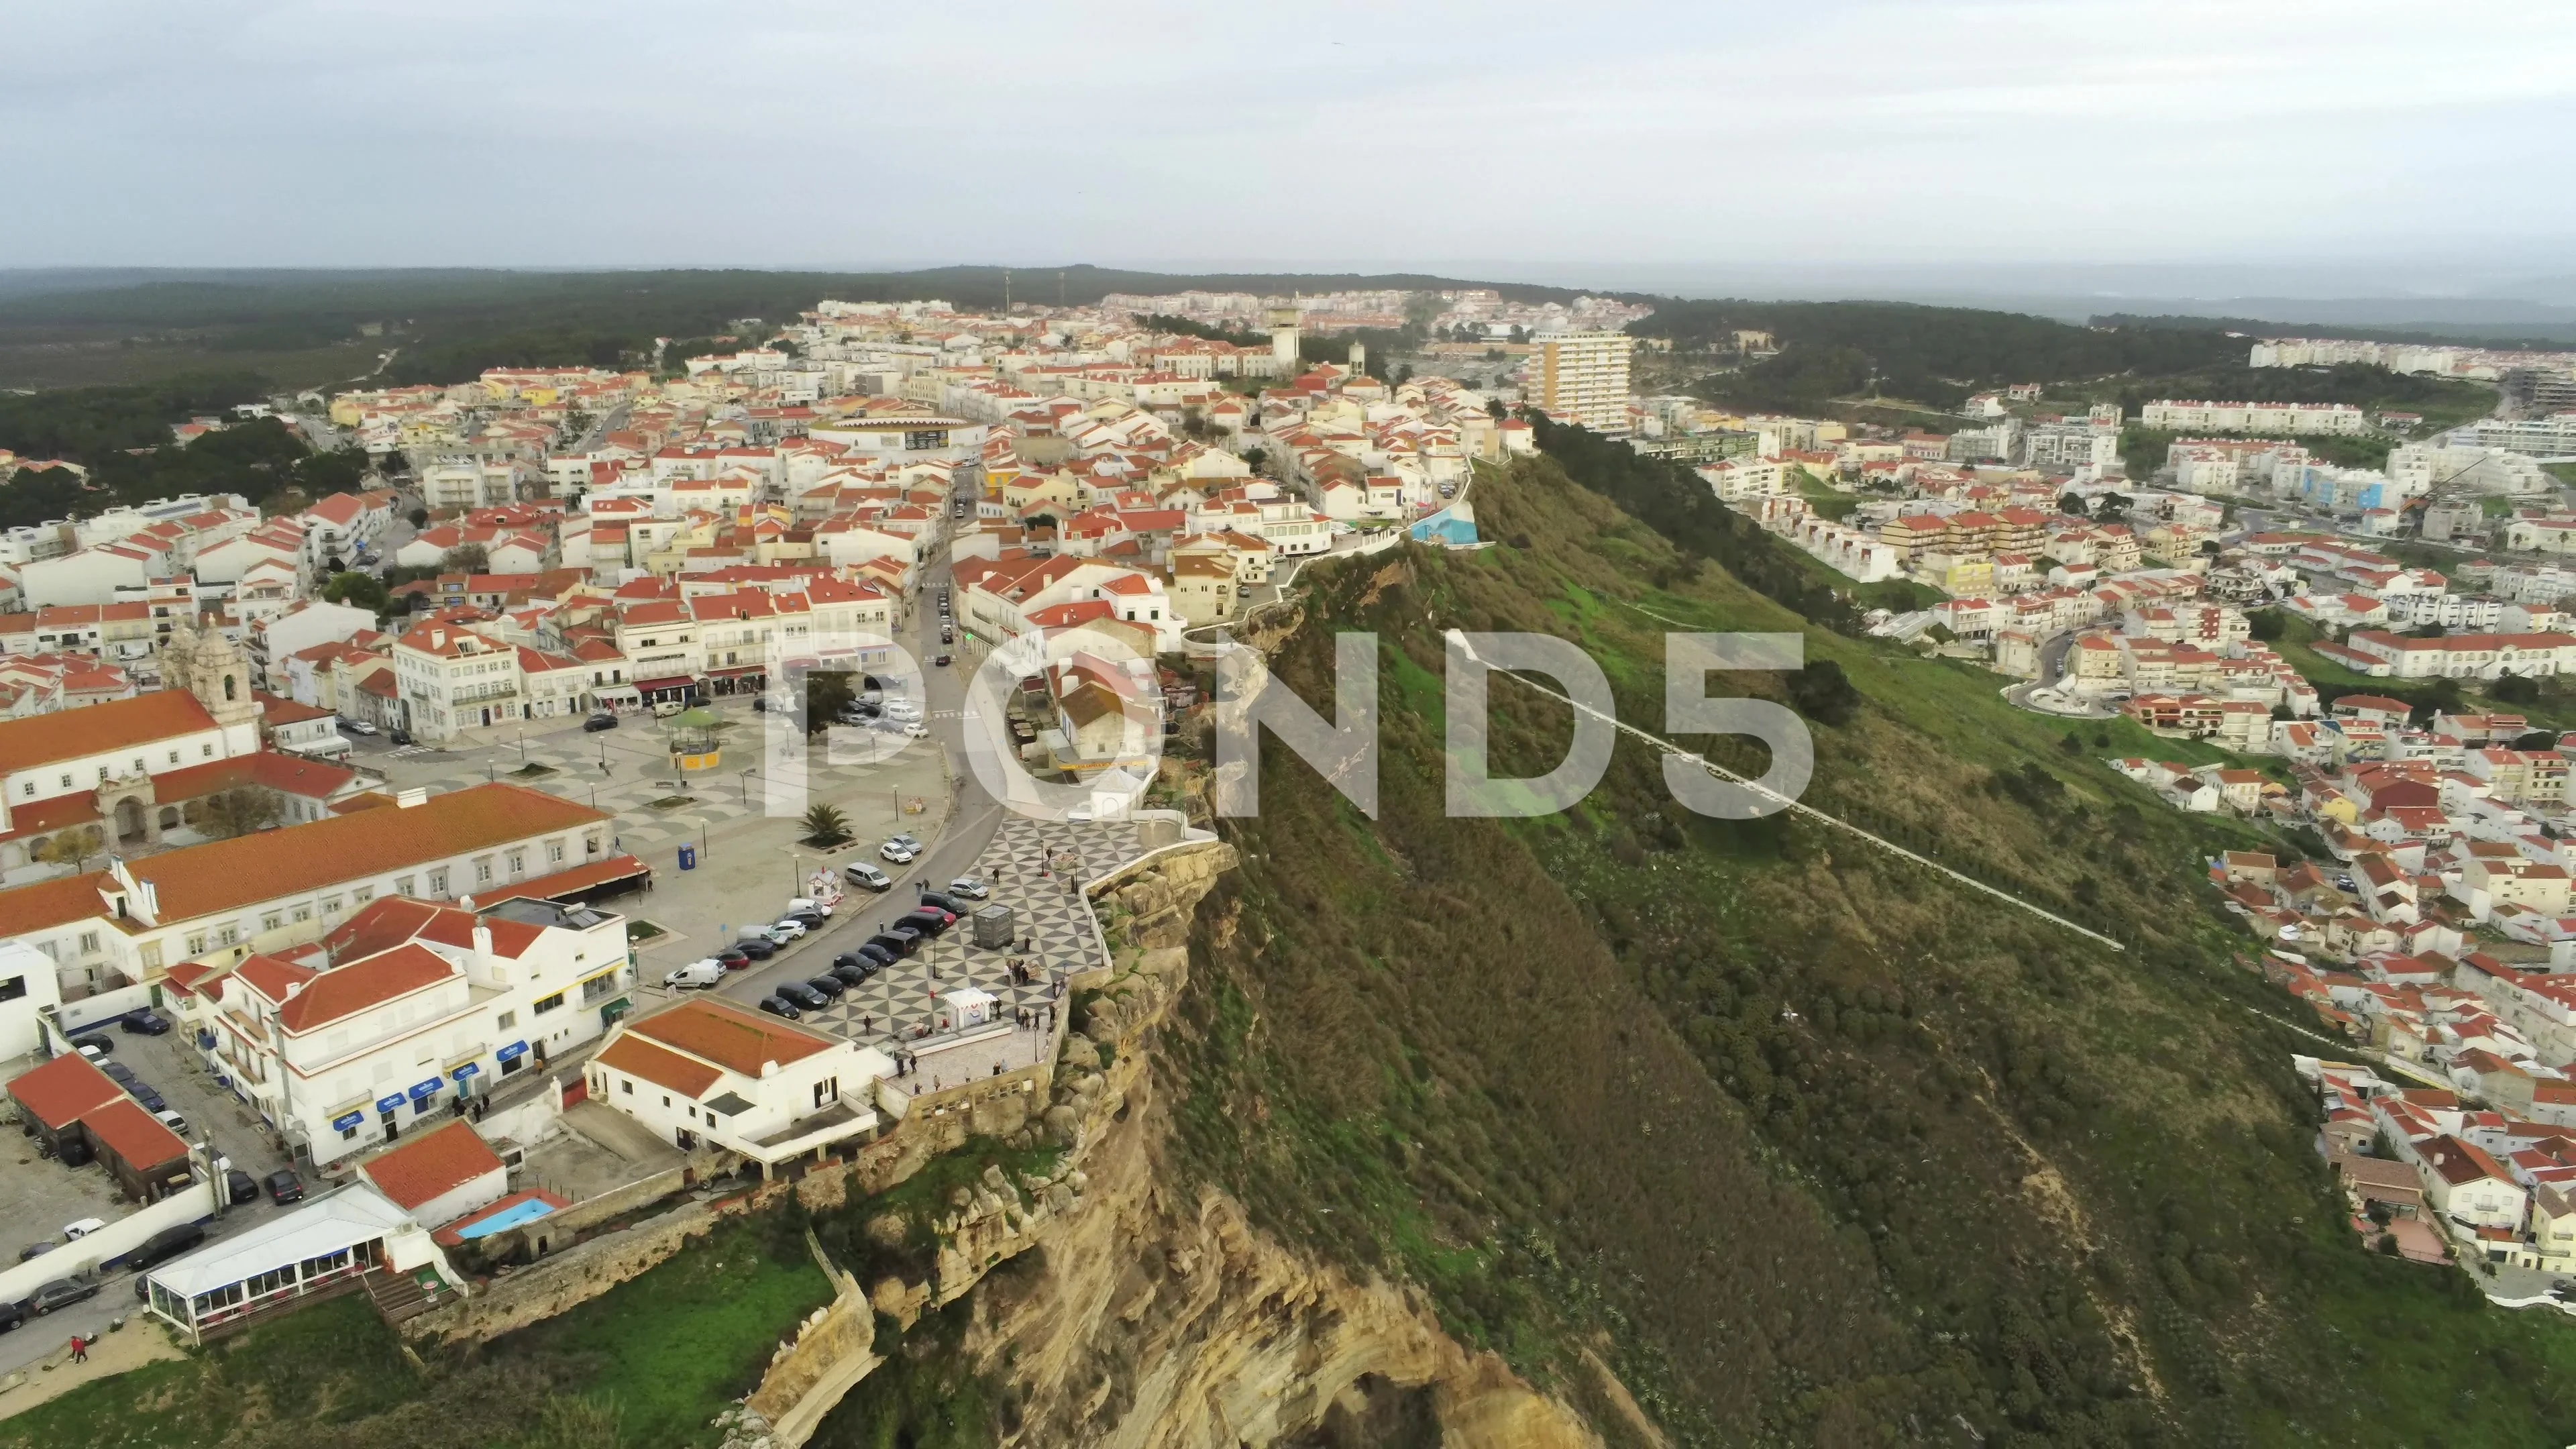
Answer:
(39, 1195)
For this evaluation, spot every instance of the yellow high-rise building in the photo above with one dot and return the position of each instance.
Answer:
(1583, 376)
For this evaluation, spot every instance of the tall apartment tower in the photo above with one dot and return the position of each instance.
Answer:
(1283, 341)
(1584, 376)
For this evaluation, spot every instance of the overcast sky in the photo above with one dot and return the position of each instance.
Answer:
(1543, 137)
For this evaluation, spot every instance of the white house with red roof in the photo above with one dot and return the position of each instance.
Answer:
(406, 1009)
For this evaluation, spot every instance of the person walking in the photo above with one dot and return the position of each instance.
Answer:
(80, 1349)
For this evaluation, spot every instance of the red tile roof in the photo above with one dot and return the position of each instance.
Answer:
(347, 990)
(739, 1041)
(659, 1065)
(426, 1167)
(134, 1135)
(100, 728)
(63, 1090)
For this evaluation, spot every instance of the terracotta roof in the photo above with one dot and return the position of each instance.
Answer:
(199, 879)
(100, 728)
(659, 1065)
(61, 1091)
(55, 902)
(738, 1040)
(565, 882)
(287, 774)
(134, 1135)
(426, 1167)
(347, 990)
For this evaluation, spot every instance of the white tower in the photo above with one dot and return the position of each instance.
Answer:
(1283, 340)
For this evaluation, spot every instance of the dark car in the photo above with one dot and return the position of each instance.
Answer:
(11, 1316)
(776, 1007)
(241, 1186)
(900, 940)
(881, 955)
(936, 901)
(164, 1245)
(598, 722)
(400, 736)
(118, 1072)
(733, 960)
(756, 947)
(285, 1186)
(105, 1043)
(810, 920)
(35, 1250)
(60, 1293)
(849, 976)
(930, 919)
(829, 985)
(760, 704)
(145, 1093)
(944, 660)
(804, 996)
(146, 1023)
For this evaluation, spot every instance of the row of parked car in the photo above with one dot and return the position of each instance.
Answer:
(792, 999)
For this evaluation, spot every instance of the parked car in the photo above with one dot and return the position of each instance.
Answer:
(944, 660)
(829, 985)
(848, 976)
(146, 1023)
(927, 922)
(908, 841)
(760, 704)
(118, 1072)
(598, 722)
(731, 959)
(173, 1121)
(145, 1093)
(60, 1293)
(74, 1232)
(92, 1051)
(164, 1245)
(904, 710)
(967, 887)
(898, 852)
(284, 1186)
(400, 735)
(900, 939)
(696, 976)
(880, 955)
(240, 1186)
(758, 948)
(916, 732)
(776, 1007)
(786, 930)
(949, 904)
(357, 726)
(860, 873)
(12, 1316)
(804, 997)
(799, 905)
(806, 916)
(35, 1250)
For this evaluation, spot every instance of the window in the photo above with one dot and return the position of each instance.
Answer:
(554, 852)
(29, 788)
(227, 935)
(206, 752)
(505, 1021)
(304, 913)
(483, 871)
(271, 921)
(89, 943)
(67, 782)
(13, 988)
(362, 895)
(549, 1003)
(626, 1085)
(402, 885)
(330, 905)
(518, 862)
(438, 882)
(150, 956)
(827, 1090)
(197, 944)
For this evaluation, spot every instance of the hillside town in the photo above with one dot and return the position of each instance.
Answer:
(398, 848)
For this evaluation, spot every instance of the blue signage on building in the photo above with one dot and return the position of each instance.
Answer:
(467, 1070)
(512, 1052)
(429, 1088)
(344, 1123)
(387, 1104)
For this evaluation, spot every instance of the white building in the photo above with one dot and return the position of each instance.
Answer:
(410, 1007)
(2254, 417)
(351, 1232)
(707, 1073)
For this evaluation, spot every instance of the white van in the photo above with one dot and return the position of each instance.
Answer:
(696, 976)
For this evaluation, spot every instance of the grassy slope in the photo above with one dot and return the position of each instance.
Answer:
(1814, 1147)
(663, 1351)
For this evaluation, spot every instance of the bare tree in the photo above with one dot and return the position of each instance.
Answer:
(238, 811)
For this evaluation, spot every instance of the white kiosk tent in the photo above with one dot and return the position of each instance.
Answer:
(335, 1239)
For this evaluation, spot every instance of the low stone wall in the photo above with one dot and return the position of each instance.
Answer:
(571, 1277)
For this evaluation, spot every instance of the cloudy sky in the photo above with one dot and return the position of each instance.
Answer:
(1528, 137)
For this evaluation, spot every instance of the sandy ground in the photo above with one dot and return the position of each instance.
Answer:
(131, 1347)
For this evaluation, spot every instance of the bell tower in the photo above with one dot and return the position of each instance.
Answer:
(217, 672)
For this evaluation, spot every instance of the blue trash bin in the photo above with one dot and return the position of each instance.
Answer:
(688, 857)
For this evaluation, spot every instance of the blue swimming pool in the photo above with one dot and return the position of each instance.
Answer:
(508, 1217)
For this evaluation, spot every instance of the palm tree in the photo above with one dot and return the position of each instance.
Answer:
(826, 825)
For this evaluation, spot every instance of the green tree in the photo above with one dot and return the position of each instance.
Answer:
(72, 847)
(466, 558)
(826, 691)
(364, 590)
(238, 811)
(826, 825)
(2515, 689)
(2071, 502)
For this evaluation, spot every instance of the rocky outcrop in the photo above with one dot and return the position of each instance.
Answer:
(1162, 1319)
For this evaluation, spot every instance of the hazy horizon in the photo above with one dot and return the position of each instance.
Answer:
(1639, 140)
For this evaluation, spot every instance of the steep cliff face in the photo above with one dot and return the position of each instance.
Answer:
(1142, 1313)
